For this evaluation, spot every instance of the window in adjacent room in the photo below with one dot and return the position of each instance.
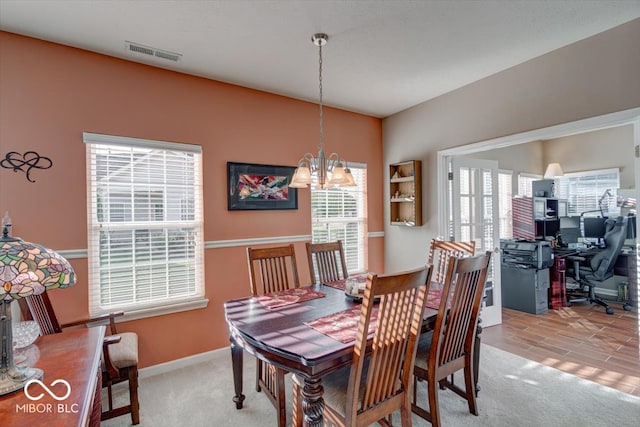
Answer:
(144, 225)
(341, 214)
(505, 194)
(525, 187)
(589, 192)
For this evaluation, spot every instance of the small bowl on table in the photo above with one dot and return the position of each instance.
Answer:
(355, 286)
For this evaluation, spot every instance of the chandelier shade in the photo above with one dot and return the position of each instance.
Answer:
(331, 171)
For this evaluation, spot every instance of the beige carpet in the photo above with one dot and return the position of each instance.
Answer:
(514, 392)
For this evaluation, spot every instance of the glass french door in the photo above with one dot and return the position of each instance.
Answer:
(473, 215)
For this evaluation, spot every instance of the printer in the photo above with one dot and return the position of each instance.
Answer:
(525, 274)
(527, 254)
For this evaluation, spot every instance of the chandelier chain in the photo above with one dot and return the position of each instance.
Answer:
(329, 170)
(320, 87)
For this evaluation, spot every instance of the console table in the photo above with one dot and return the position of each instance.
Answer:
(73, 356)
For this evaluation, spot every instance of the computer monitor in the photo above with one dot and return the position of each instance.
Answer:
(593, 228)
(570, 229)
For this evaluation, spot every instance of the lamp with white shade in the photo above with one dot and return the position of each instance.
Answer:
(553, 170)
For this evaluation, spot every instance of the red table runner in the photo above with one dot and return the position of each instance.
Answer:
(287, 297)
(338, 284)
(433, 298)
(343, 325)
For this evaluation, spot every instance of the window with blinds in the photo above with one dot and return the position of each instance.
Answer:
(144, 223)
(589, 192)
(505, 194)
(525, 186)
(341, 214)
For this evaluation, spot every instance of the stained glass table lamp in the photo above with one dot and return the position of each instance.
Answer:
(25, 269)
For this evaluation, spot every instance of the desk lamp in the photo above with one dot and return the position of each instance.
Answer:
(25, 269)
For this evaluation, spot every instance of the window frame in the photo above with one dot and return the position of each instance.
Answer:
(188, 231)
(584, 208)
(505, 214)
(524, 180)
(355, 253)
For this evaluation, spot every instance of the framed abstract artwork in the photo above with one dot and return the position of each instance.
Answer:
(260, 187)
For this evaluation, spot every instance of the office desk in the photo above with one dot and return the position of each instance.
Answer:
(280, 337)
(73, 356)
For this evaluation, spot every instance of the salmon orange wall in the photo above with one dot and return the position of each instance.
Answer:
(50, 94)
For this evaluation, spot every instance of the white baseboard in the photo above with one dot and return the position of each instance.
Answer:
(162, 368)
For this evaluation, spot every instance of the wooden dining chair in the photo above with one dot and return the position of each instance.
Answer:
(440, 251)
(378, 383)
(119, 352)
(450, 347)
(272, 270)
(326, 262)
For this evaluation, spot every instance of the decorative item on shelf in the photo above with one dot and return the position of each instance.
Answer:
(25, 269)
(330, 170)
(25, 162)
(405, 207)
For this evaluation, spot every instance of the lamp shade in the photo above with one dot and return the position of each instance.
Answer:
(553, 170)
(25, 269)
(30, 269)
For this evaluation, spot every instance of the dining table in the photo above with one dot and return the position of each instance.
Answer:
(309, 331)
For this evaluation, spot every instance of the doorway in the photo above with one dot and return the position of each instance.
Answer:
(445, 205)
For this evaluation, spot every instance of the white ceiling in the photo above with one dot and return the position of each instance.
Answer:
(382, 56)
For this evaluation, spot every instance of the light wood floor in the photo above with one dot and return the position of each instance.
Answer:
(582, 340)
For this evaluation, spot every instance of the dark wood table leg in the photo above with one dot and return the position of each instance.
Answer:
(237, 363)
(312, 402)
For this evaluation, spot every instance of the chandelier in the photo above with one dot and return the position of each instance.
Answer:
(330, 170)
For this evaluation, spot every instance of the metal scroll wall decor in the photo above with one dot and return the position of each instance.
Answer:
(25, 162)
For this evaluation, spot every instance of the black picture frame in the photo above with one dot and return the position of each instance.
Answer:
(253, 186)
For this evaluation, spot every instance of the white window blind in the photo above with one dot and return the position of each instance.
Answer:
(341, 214)
(505, 194)
(525, 186)
(144, 223)
(590, 191)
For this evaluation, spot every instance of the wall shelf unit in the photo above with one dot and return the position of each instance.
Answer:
(405, 193)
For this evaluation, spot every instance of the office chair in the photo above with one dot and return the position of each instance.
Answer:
(599, 266)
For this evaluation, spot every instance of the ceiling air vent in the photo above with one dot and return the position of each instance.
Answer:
(150, 51)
